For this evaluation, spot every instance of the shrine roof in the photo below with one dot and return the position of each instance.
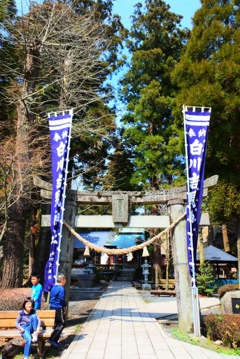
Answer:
(125, 240)
(214, 254)
(99, 238)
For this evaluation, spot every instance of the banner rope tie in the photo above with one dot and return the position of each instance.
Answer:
(122, 250)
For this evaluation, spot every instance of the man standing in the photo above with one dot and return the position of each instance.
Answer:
(58, 303)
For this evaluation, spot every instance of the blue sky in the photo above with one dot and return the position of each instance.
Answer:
(124, 8)
(186, 8)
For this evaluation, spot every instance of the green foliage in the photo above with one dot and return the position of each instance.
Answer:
(224, 202)
(208, 74)
(223, 327)
(155, 42)
(184, 337)
(101, 274)
(205, 279)
(7, 9)
(119, 169)
(98, 276)
(203, 342)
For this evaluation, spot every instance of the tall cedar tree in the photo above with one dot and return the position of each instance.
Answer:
(119, 169)
(59, 67)
(209, 75)
(155, 42)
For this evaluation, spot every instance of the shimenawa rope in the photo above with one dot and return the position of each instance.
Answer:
(123, 250)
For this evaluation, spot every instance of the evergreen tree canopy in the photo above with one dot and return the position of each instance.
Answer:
(155, 42)
(209, 75)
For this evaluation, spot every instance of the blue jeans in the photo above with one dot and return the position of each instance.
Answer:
(29, 329)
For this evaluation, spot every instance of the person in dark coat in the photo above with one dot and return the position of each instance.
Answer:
(58, 303)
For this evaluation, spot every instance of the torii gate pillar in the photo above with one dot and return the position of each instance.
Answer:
(181, 273)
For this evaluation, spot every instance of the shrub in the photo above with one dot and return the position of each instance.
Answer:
(98, 276)
(227, 288)
(102, 274)
(12, 299)
(205, 279)
(224, 327)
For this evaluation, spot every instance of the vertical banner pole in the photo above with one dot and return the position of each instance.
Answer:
(194, 289)
(70, 112)
(60, 125)
(196, 123)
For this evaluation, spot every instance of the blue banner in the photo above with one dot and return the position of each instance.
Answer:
(196, 125)
(60, 134)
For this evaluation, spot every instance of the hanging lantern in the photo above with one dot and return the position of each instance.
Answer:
(145, 252)
(86, 252)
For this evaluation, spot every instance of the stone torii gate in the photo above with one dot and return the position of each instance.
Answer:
(121, 202)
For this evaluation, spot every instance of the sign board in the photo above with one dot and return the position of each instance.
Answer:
(120, 208)
(236, 305)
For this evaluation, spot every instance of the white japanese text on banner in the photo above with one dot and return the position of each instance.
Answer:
(60, 135)
(196, 125)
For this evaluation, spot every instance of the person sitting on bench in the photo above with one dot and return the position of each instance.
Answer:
(29, 324)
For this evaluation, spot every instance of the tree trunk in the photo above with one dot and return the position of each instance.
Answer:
(13, 243)
(156, 270)
(33, 240)
(43, 247)
(210, 235)
(31, 255)
(225, 238)
(168, 259)
(13, 248)
(201, 247)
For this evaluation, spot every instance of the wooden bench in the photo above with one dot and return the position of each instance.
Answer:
(8, 328)
(159, 292)
(163, 284)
